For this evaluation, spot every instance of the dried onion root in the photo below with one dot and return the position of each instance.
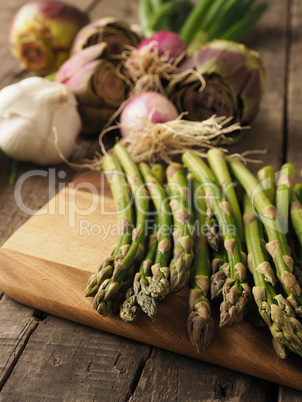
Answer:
(162, 141)
(146, 68)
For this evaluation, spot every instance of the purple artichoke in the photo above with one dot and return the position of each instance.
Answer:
(118, 35)
(234, 77)
(41, 34)
(93, 77)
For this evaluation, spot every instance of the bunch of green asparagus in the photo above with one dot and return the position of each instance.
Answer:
(185, 225)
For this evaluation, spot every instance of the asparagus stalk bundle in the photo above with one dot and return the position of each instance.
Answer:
(298, 191)
(138, 296)
(159, 284)
(283, 194)
(183, 227)
(213, 229)
(275, 310)
(172, 261)
(159, 172)
(277, 243)
(267, 181)
(133, 251)
(200, 324)
(236, 291)
(220, 273)
(218, 164)
(121, 194)
(130, 308)
(296, 216)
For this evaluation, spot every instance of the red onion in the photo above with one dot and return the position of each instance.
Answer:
(166, 42)
(146, 106)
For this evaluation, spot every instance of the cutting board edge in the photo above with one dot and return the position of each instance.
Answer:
(92, 319)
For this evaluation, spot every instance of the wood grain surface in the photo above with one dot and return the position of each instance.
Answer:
(46, 264)
(79, 363)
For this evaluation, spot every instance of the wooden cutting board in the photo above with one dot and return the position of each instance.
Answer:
(47, 262)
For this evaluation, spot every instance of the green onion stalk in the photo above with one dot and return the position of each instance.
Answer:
(202, 21)
(159, 15)
(220, 19)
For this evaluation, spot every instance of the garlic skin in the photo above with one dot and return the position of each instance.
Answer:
(33, 112)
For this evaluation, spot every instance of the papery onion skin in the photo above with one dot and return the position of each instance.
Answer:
(92, 76)
(41, 34)
(146, 106)
(34, 111)
(166, 41)
(118, 35)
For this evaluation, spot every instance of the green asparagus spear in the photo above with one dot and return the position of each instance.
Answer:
(130, 309)
(159, 285)
(159, 172)
(183, 227)
(120, 191)
(298, 191)
(213, 229)
(220, 272)
(296, 216)
(266, 178)
(200, 324)
(283, 194)
(134, 251)
(218, 164)
(236, 292)
(277, 241)
(273, 308)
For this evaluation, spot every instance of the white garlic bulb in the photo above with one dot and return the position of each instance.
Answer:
(34, 113)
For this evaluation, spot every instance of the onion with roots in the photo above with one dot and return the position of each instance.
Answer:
(152, 130)
(144, 107)
(154, 61)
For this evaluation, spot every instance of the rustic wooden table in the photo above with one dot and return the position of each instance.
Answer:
(46, 358)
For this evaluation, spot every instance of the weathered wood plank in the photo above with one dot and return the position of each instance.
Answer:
(125, 10)
(64, 361)
(294, 123)
(168, 376)
(271, 34)
(118, 353)
(39, 185)
(269, 38)
(294, 95)
(16, 326)
(289, 395)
